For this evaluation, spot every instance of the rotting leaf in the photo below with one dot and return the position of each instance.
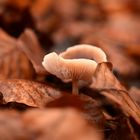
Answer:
(27, 92)
(13, 62)
(29, 44)
(57, 124)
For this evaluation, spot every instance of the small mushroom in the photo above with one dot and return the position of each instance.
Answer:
(65, 67)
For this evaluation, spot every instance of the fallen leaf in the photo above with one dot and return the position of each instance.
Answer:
(44, 20)
(133, 50)
(19, 4)
(89, 108)
(121, 61)
(29, 44)
(5, 37)
(117, 55)
(122, 130)
(13, 62)
(64, 11)
(30, 93)
(57, 124)
(125, 102)
(107, 84)
(11, 126)
(105, 79)
(118, 31)
(73, 29)
(134, 92)
(39, 8)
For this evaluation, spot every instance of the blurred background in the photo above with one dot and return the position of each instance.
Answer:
(113, 25)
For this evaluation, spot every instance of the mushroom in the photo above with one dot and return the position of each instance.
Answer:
(85, 51)
(67, 68)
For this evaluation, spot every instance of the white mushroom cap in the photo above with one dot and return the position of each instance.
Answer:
(68, 69)
(85, 51)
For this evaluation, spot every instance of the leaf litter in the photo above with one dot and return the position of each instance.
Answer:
(35, 105)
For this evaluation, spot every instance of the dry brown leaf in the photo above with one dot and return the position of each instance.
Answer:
(52, 124)
(89, 107)
(68, 10)
(104, 78)
(59, 124)
(122, 62)
(92, 111)
(133, 50)
(19, 4)
(117, 55)
(30, 93)
(6, 38)
(13, 62)
(125, 102)
(40, 11)
(122, 130)
(134, 92)
(110, 87)
(29, 44)
(74, 29)
(11, 126)
(122, 27)
(39, 8)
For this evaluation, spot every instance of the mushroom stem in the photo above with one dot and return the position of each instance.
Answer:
(75, 87)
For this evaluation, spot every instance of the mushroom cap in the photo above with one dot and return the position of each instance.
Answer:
(69, 69)
(85, 51)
